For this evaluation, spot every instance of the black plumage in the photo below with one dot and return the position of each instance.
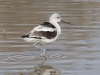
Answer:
(47, 24)
(39, 34)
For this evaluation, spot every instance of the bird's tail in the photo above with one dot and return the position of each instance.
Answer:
(24, 36)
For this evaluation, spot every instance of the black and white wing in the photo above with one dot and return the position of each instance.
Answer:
(45, 30)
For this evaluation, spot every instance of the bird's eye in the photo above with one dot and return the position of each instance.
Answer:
(58, 17)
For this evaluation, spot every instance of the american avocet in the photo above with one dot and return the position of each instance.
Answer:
(45, 33)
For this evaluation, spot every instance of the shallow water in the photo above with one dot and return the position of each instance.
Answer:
(76, 51)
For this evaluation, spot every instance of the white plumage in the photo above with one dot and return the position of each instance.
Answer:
(45, 33)
(45, 30)
(42, 28)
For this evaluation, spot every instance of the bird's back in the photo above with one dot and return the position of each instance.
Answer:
(45, 31)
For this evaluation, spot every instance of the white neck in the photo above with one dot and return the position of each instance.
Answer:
(57, 26)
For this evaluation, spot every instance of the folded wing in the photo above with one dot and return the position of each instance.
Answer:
(45, 30)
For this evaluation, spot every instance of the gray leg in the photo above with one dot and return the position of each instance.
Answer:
(35, 44)
(43, 51)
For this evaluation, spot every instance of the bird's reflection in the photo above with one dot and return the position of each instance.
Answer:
(42, 69)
